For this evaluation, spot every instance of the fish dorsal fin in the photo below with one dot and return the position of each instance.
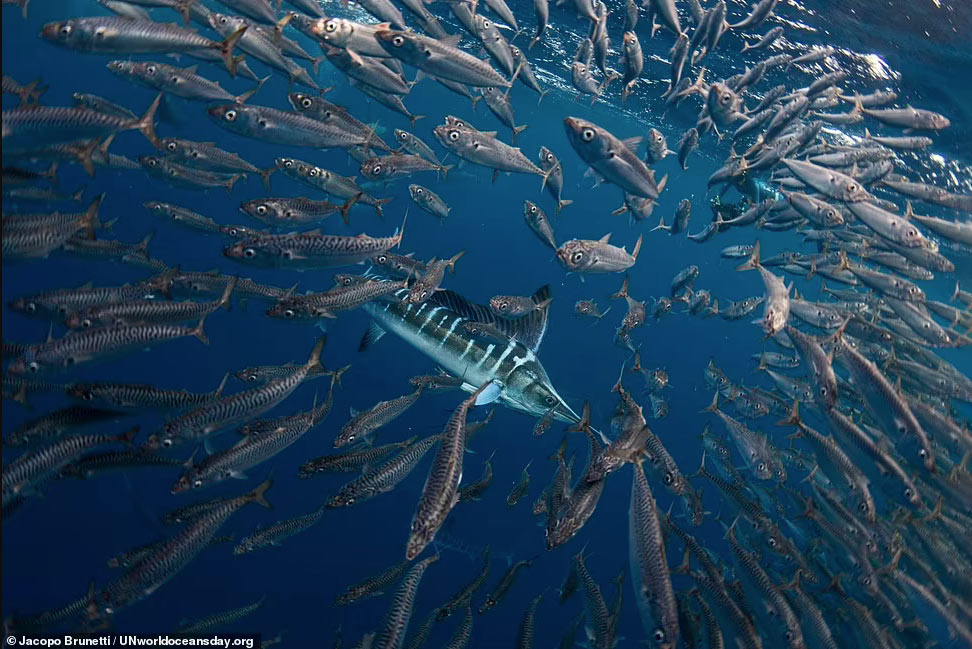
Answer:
(465, 308)
(452, 40)
(531, 328)
(606, 238)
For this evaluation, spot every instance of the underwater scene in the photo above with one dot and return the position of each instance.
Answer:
(499, 323)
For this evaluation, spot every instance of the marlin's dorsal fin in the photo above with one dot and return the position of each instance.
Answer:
(531, 328)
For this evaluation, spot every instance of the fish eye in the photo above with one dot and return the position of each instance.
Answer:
(381, 259)
(66, 30)
(306, 102)
(150, 69)
(909, 493)
(669, 478)
(261, 209)
(453, 135)
(30, 307)
(549, 400)
(197, 483)
(249, 253)
(921, 452)
(772, 542)
(863, 507)
(230, 115)
(788, 635)
(33, 367)
(419, 191)
(577, 256)
(288, 313)
(398, 41)
(486, 24)
(376, 169)
(313, 173)
(659, 636)
(171, 146)
(288, 163)
(425, 294)
(761, 466)
(167, 442)
(587, 134)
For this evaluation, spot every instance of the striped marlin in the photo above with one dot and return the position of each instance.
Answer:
(435, 328)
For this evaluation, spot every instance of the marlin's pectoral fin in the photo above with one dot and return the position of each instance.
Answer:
(490, 394)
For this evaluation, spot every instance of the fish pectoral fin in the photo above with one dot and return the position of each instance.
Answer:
(490, 394)
(237, 475)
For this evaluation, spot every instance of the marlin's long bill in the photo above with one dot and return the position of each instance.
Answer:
(436, 329)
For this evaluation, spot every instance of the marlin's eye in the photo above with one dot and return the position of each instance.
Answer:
(587, 134)
(230, 115)
(549, 400)
(306, 102)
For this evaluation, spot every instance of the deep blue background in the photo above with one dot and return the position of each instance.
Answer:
(59, 542)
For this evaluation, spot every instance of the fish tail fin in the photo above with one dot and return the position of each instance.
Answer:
(561, 204)
(637, 248)
(147, 123)
(661, 225)
(584, 424)
(314, 365)
(623, 291)
(337, 374)
(258, 495)
(400, 232)
(452, 262)
(224, 299)
(265, 175)
(232, 181)
(199, 332)
(475, 100)
(242, 99)
(226, 49)
(90, 219)
(714, 406)
(344, 209)
(84, 153)
(793, 419)
(753, 261)
(413, 119)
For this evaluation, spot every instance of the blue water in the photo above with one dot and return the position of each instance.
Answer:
(59, 542)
